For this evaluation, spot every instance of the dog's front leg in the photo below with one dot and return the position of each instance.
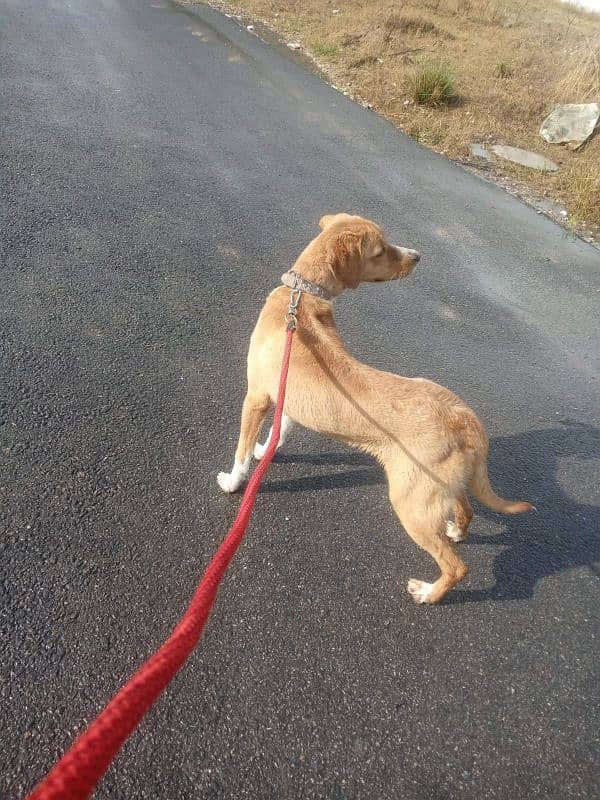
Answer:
(254, 412)
(286, 425)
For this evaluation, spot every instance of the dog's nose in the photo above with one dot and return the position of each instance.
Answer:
(405, 252)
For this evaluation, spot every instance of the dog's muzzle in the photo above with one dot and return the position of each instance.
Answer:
(405, 252)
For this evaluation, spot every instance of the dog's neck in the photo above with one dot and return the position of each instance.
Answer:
(312, 266)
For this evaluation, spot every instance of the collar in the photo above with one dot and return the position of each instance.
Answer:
(292, 280)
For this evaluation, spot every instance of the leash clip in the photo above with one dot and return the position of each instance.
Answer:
(292, 312)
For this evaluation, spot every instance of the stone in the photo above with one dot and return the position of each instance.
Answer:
(573, 122)
(524, 157)
(479, 151)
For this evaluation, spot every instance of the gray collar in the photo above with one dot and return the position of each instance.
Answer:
(292, 280)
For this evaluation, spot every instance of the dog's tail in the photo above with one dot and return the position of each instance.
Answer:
(482, 491)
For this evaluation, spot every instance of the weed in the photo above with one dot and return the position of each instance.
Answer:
(432, 84)
(325, 49)
(503, 70)
(435, 137)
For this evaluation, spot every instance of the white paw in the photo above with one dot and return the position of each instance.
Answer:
(419, 590)
(228, 482)
(454, 532)
(260, 450)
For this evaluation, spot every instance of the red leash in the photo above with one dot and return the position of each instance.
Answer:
(79, 770)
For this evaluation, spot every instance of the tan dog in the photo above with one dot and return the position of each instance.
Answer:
(432, 447)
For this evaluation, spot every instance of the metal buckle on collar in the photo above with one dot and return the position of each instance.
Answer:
(292, 312)
(292, 280)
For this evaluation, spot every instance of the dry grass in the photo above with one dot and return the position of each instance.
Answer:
(486, 12)
(582, 183)
(504, 70)
(399, 23)
(512, 60)
(582, 80)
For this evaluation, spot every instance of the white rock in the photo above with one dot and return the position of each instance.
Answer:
(524, 157)
(479, 151)
(573, 122)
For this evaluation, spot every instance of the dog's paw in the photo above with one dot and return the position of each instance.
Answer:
(260, 450)
(454, 532)
(227, 482)
(420, 590)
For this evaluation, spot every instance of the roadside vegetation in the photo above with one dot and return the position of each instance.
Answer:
(454, 72)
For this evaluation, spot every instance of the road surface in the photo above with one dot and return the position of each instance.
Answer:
(161, 168)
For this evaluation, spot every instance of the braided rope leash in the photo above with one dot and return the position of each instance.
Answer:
(76, 774)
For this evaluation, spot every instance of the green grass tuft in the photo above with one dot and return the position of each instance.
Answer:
(432, 84)
(325, 49)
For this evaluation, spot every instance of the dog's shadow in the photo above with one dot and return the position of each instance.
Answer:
(369, 475)
(563, 534)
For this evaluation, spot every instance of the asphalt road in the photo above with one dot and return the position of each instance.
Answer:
(160, 169)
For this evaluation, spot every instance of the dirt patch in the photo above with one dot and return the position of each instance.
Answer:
(509, 61)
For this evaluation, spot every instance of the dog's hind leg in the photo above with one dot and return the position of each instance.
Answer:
(254, 412)
(458, 530)
(424, 520)
(286, 425)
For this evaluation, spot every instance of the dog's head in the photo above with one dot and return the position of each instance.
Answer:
(356, 250)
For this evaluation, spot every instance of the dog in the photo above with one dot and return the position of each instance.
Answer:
(431, 445)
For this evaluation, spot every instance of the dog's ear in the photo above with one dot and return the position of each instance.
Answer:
(345, 258)
(329, 219)
(326, 220)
